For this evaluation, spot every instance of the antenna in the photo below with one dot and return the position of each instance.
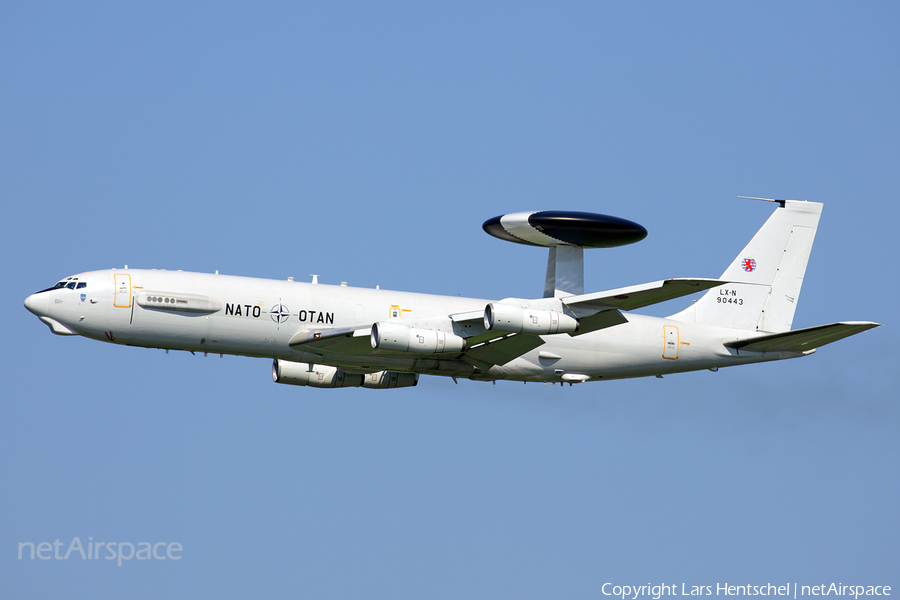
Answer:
(567, 234)
(779, 201)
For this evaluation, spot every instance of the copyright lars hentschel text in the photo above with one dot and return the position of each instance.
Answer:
(795, 590)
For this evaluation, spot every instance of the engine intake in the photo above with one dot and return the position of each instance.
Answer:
(515, 319)
(402, 338)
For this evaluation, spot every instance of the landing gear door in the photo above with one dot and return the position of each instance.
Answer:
(123, 290)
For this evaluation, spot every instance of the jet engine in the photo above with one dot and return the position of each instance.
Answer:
(324, 376)
(506, 317)
(401, 338)
(383, 380)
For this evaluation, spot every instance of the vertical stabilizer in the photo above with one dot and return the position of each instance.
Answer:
(767, 275)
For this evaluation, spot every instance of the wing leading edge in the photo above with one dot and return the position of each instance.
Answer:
(637, 296)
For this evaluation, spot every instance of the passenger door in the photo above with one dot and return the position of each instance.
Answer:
(123, 290)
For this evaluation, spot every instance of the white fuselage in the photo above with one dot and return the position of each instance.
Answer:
(258, 317)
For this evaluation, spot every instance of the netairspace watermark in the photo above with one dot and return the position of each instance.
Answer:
(633, 592)
(111, 550)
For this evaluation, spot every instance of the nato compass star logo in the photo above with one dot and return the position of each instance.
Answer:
(280, 313)
(748, 264)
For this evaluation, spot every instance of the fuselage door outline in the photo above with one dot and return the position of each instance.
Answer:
(122, 290)
(670, 347)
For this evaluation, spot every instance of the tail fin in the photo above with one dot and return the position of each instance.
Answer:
(767, 275)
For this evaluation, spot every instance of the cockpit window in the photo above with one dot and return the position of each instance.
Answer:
(59, 285)
(71, 285)
(81, 285)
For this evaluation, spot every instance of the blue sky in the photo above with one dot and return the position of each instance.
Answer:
(367, 144)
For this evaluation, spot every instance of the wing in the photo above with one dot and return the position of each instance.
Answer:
(484, 348)
(501, 350)
(348, 340)
(637, 296)
(351, 349)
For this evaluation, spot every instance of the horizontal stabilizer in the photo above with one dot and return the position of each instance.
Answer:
(637, 296)
(802, 340)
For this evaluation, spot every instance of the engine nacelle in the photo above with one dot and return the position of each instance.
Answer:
(320, 376)
(402, 338)
(323, 376)
(383, 380)
(506, 317)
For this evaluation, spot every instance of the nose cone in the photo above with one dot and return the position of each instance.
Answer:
(37, 304)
